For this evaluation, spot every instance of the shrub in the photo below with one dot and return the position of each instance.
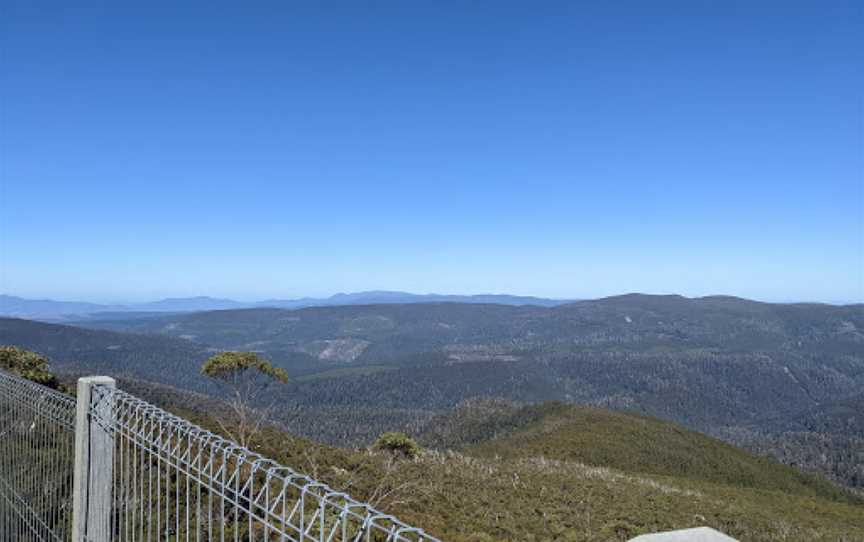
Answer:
(620, 530)
(398, 443)
(27, 364)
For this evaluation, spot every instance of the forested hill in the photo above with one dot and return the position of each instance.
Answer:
(395, 332)
(77, 350)
(623, 441)
(492, 470)
(774, 377)
(65, 311)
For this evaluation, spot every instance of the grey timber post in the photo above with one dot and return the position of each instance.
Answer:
(94, 461)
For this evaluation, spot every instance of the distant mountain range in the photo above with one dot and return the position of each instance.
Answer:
(782, 379)
(56, 311)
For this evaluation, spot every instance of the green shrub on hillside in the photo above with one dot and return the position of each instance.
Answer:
(27, 364)
(398, 443)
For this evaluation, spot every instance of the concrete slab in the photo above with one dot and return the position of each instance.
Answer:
(699, 534)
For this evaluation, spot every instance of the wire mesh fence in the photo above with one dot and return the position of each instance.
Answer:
(37, 441)
(173, 481)
(111, 467)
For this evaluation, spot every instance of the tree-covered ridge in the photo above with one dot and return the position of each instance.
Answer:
(73, 349)
(520, 479)
(725, 323)
(494, 470)
(776, 378)
(623, 441)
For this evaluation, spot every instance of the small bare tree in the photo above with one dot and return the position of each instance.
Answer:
(247, 376)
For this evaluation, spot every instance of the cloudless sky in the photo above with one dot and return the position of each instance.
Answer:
(567, 149)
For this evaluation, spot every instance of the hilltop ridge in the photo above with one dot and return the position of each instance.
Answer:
(60, 311)
(494, 470)
(779, 379)
(624, 441)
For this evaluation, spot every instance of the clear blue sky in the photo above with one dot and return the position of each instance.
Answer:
(572, 149)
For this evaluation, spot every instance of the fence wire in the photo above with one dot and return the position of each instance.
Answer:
(173, 481)
(158, 478)
(37, 447)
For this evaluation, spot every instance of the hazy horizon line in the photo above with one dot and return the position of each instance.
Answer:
(258, 300)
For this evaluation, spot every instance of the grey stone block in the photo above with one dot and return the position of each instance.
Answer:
(699, 534)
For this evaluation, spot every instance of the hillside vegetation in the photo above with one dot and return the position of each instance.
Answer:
(780, 379)
(626, 442)
(557, 473)
(147, 357)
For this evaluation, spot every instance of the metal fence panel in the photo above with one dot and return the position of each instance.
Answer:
(175, 481)
(37, 429)
(142, 474)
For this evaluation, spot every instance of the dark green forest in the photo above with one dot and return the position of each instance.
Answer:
(493, 470)
(783, 380)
